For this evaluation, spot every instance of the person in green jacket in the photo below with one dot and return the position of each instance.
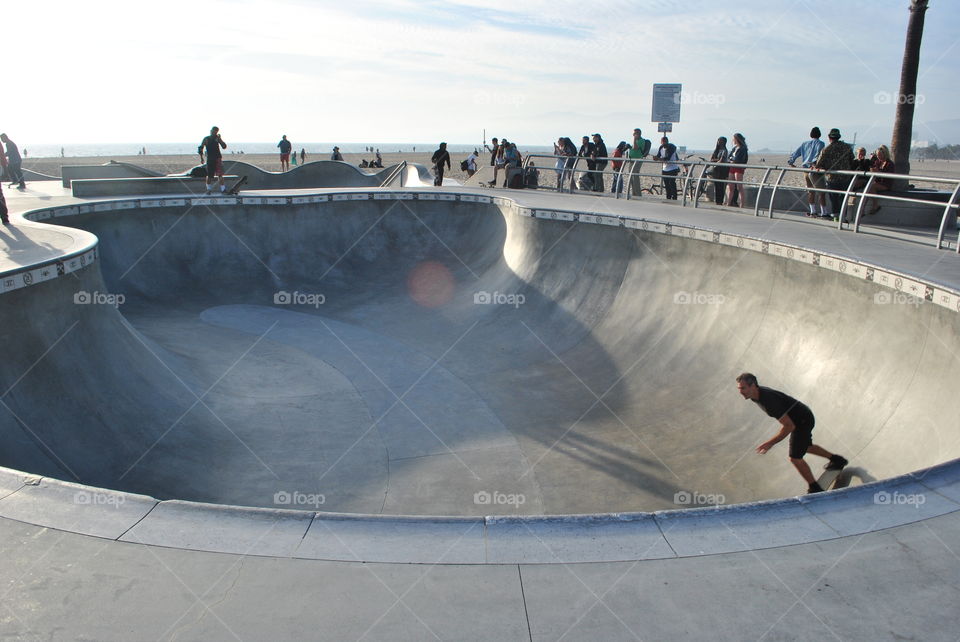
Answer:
(638, 151)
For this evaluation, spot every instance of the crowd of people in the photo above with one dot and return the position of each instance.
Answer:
(726, 169)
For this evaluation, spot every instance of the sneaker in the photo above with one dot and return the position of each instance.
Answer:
(836, 463)
(814, 488)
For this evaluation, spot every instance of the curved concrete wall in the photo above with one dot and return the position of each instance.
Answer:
(601, 304)
(903, 378)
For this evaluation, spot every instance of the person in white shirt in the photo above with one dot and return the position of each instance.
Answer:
(472, 164)
(668, 154)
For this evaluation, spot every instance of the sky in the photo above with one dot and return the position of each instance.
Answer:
(106, 71)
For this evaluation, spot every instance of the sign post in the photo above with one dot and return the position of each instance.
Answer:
(666, 105)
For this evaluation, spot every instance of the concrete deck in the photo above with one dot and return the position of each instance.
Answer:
(134, 567)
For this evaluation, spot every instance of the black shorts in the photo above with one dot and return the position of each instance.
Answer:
(214, 167)
(800, 439)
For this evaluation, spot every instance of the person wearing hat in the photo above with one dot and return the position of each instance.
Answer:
(808, 153)
(336, 155)
(835, 156)
(440, 157)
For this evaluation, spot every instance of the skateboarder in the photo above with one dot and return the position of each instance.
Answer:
(796, 420)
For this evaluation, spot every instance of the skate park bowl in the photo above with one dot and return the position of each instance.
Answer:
(403, 365)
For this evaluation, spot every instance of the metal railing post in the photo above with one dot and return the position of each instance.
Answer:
(862, 203)
(946, 217)
(696, 188)
(843, 206)
(763, 182)
(773, 192)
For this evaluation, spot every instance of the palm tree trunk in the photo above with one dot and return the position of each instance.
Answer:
(906, 98)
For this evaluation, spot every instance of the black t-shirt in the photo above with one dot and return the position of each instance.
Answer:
(586, 151)
(601, 153)
(777, 404)
(285, 146)
(211, 144)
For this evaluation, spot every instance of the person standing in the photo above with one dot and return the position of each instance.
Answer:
(336, 155)
(796, 421)
(638, 151)
(599, 156)
(14, 161)
(668, 154)
(836, 156)
(4, 215)
(212, 145)
(438, 159)
(285, 147)
(738, 156)
(496, 158)
(472, 163)
(303, 155)
(807, 153)
(616, 166)
(588, 151)
(720, 171)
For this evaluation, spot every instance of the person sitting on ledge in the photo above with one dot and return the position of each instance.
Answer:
(881, 164)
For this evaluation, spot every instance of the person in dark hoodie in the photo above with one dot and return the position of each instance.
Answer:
(440, 157)
(599, 154)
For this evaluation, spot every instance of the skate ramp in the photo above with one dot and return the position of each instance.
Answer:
(378, 355)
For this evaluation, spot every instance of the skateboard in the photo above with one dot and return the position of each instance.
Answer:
(236, 186)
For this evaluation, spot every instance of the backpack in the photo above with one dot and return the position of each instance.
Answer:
(646, 147)
(531, 177)
(464, 165)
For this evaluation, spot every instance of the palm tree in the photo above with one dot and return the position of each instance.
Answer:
(906, 98)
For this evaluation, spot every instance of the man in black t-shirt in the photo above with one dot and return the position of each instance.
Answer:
(211, 145)
(796, 420)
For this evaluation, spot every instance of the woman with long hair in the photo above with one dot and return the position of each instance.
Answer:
(720, 171)
(738, 156)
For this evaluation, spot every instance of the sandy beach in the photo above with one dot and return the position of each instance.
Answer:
(176, 164)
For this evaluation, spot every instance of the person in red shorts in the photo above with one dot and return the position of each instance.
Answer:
(211, 145)
(285, 147)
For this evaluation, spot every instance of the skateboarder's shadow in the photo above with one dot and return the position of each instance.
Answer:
(849, 474)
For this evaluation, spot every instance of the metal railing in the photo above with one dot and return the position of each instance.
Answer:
(392, 176)
(694, 175)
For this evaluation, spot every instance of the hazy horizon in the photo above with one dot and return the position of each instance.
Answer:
(397, 71)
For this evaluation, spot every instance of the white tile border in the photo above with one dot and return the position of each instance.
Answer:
(912, 286)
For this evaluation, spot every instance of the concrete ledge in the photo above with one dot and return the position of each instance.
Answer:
(222, 529)
(414, 540)
(76, 508)
(582, 538)
(70, 173)
(879, 505)
(142, 186)
(13, 480)
(741, 527)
